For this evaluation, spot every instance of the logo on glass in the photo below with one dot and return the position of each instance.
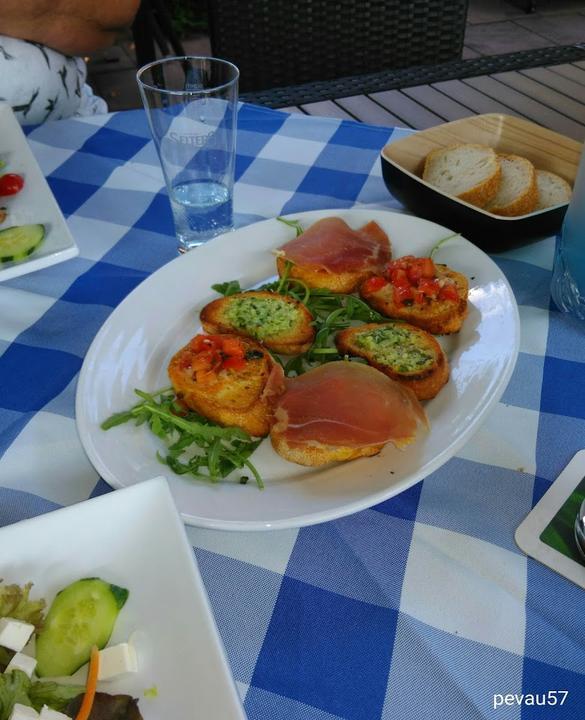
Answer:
(196, 140)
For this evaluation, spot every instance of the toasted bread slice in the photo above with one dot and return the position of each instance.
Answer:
(319, 453)
(339, 282)
(439, 317)
(469, 172)
(552, 189)
(402, 351)
(518, 192)
(330, 255)
(279, 322)
(341, 411)
(242, 396)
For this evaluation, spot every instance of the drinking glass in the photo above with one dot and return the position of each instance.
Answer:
(568, 281)
(191, 104)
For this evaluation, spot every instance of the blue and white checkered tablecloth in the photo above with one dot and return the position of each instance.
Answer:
(421, 607)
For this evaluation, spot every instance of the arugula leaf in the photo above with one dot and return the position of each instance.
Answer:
(15, 603)
(441, 242)
(195, 446)
(293, 224)
(231, 287)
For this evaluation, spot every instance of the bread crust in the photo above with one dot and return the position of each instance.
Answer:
(480, 194)
(318, 453)
(341, 282)
(294, 341)
(426, 383)
(524, 203)
(439, 317)
(235, 398)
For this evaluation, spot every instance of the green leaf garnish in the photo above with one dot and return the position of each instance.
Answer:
(231, 287)
(441, 242)
(293, 224)
(195, 446)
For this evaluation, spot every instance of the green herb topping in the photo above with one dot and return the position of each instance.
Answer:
(395, 346)
(262, 318)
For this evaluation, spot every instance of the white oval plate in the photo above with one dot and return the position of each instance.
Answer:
(134, 346)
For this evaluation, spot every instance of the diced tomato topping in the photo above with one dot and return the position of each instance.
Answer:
(449, 292)
(374, 283)
(212, 353)
(234, 363)
(415, 281)
(404, 293)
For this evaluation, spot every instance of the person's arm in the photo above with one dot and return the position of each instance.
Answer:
(73, 27)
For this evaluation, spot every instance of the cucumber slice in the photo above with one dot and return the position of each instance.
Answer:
(82, 615)
(18, 242)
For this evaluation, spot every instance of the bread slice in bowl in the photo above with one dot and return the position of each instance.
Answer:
(517, 192)
(552, 189)
(467, 171)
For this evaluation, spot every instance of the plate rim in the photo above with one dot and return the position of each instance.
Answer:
(319, 516)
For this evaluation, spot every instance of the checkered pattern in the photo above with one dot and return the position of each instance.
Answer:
(421, 607)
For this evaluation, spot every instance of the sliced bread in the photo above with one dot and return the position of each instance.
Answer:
(470, 172)
(552, 189)
(279, 322)
(401, 351)
(517, 193)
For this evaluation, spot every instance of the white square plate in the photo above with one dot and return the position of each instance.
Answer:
(34, 204)
(134, 538)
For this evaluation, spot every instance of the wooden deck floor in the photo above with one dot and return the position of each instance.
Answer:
(551, 96)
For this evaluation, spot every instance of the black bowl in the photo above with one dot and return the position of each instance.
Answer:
(402, 163)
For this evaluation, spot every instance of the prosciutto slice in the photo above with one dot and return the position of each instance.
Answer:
(331, 245)
(347, 404)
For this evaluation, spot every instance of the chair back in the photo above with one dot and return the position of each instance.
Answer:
(277, 43)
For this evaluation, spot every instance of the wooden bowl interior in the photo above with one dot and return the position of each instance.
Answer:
(547, 150)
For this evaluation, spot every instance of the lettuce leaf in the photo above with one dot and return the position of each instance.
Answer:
(15, 603)
(14, 688)
(55, 696)
(108, 707)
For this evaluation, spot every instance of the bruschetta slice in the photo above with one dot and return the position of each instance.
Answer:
(229, 379)
(415, 289)
(330, 255)
(279, 322)
(405, 353)
(341, 411)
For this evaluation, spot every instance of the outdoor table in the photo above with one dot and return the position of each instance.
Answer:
(419, 607)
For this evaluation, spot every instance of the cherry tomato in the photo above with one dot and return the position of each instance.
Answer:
(10, 184)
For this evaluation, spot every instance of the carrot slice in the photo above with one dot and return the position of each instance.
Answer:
(91, 685)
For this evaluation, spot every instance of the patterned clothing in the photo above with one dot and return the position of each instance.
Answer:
(42, 84)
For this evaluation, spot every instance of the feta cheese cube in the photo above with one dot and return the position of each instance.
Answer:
(22, 662)
(48, 713)
(30, 648)
(14, 634)
(23, 712)
(116, 660)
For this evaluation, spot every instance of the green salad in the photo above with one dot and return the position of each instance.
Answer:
(40, 651)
